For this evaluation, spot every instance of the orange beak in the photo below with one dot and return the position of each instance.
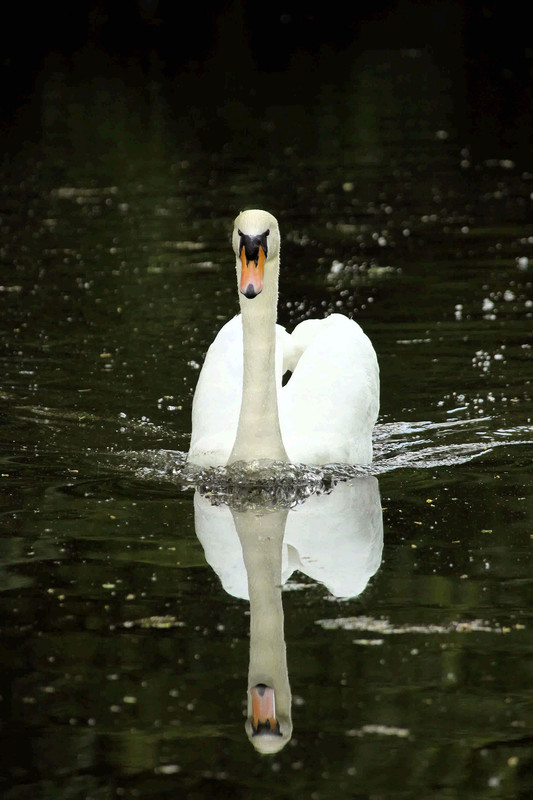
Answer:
(252, 273)
(263, 709)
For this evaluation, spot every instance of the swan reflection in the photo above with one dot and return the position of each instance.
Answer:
(335, 538)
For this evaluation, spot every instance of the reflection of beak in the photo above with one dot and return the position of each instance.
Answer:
(252, 273)
(264, 710)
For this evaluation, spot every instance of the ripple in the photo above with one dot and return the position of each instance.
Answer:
(400, 445)
(265, 484)
(383, 626)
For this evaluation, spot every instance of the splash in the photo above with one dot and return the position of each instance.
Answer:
(263, 484)
(401, 445)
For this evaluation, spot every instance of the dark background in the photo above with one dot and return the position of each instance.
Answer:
(491, 40)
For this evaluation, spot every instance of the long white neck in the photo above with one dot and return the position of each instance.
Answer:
(258, 431)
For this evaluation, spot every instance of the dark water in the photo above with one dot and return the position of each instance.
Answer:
(407, 588)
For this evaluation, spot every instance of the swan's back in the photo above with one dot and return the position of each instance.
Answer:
(329, 407)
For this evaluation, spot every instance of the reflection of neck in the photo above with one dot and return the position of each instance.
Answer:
(261, 540)
(258, 432)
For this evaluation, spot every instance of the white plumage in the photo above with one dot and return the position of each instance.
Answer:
(327, 410)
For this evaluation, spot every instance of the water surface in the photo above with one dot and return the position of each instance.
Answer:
(402, 593)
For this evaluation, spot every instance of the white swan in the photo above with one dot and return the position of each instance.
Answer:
(327, 410)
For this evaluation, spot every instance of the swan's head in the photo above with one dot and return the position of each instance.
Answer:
(268, 731)
(256, 246)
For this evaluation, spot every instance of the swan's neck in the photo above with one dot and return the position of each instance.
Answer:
(258, 431)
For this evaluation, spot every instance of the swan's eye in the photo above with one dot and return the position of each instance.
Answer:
(267, 231)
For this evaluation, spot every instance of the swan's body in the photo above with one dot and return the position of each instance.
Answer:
(327, 410)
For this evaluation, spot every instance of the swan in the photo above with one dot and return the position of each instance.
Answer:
(241, 412)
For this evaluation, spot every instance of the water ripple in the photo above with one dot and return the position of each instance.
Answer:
(401, 445)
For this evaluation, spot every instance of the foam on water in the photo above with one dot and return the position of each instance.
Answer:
(401, 445)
